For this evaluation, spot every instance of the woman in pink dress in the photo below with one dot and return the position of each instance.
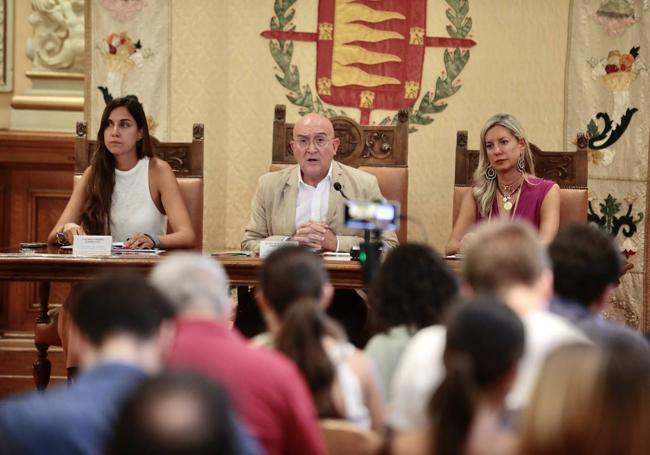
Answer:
(505, 185)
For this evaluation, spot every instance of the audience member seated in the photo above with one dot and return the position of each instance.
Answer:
(508, 257)
(504, 257)
(300, 202)
(341, 384)
(122, 330)
(266, 388)
(586, 267)
(126, 193)
(590, 400)
(179, 413)
(289, 276)
(505, 185)
(411, 291)
(484, 342)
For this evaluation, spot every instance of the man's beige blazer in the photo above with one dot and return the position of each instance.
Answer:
(273, 210)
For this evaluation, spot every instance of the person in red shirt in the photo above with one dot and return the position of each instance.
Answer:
(265, 387)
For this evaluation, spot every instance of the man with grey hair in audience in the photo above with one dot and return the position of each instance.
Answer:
(503, 257)
(265, 387)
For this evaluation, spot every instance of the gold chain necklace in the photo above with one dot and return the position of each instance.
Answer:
(507, 194)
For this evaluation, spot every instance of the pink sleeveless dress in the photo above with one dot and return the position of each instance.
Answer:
(530, 201)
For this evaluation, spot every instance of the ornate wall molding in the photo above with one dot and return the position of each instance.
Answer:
(56, 52)
(6, 45)
(57, 43)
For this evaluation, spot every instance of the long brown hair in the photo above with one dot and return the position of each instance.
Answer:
(300, 338)
(485, 340)
(96, 215)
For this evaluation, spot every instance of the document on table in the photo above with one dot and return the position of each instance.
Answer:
(118, 248)
(331, 256)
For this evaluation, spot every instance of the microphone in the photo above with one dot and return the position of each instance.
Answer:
(338, 187)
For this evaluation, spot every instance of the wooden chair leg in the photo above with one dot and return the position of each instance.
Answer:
(42, 367)
(248, 319)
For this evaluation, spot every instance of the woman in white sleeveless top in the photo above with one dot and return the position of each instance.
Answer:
(126, 192)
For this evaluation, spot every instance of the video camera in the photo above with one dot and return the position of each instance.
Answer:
(373, 217)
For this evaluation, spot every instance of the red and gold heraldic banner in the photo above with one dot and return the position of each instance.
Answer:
(370, 54)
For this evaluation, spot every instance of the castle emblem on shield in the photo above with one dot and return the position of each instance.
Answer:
(370, 55)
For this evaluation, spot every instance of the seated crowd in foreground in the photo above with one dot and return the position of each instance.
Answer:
(512, 357)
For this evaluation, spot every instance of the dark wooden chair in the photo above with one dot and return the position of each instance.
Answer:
(186, 159)
(568, 169)
(378, 150)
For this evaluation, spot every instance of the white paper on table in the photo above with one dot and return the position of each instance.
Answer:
(269, 246)
(92, 245)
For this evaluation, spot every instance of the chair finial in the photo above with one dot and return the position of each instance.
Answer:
(197, 131)
(280, 112)
(403, 115)
(82, 129)
(583, 140)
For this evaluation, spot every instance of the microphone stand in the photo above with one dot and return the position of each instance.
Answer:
(371, 246)
(370, 249)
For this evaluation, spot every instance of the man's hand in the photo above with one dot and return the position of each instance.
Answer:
(315, 235)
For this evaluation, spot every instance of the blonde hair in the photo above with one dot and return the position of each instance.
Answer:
(484, 189)
(590, 400)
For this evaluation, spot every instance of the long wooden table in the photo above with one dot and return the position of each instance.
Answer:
(50, 264)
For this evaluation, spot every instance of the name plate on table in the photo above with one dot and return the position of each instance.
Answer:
(92, 245)
(269, 246)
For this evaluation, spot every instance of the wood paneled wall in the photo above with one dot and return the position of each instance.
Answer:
(36, 170)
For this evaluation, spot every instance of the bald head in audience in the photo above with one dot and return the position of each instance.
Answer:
(176, 413)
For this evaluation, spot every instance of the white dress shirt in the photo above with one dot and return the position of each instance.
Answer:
(312, 202)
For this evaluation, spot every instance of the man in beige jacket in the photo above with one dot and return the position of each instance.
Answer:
(300, 202)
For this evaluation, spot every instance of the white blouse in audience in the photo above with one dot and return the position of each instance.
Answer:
(349, 384)
(421, 369)
(385, 350)
(417, 376)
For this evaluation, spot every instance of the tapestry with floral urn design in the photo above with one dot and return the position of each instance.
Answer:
(607, 97)
(129, 53)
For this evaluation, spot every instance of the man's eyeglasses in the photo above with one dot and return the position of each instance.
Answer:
(318, 141)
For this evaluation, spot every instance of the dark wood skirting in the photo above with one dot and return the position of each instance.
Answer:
(36, 169)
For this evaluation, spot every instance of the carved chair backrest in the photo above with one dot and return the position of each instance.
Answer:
(381, 150)
(185, 159)
(567, 169)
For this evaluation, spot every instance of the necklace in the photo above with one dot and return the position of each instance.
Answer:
(507, 193)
